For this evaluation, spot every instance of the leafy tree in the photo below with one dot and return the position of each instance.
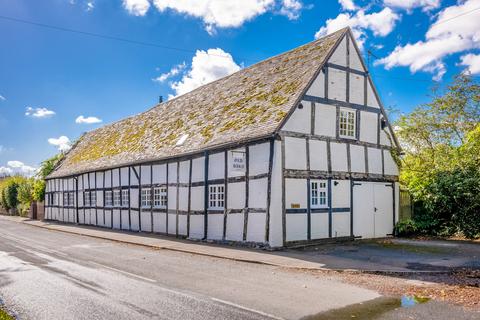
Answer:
(38, 192)
(47, 166)
(440, 168)
(9, 194)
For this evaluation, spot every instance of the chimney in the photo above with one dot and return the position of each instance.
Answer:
(160, 99)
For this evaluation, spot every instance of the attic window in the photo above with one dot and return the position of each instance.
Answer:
(347, 123)
(182, 139)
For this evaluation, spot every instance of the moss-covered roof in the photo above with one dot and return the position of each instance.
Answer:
(245, 105)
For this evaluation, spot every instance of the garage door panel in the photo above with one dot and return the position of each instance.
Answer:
(362, 211)
(383, 211)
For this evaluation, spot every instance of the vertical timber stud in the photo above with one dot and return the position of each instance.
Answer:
(205, 197)
(284, 207)
(166, 207)
(349, 161)
(129, 199)
(312, 118)
(96, 213)
(383, 162)
(269, 190)
(330, 218)
(247, 192)
(140, 197)
(189, 206)
(337, 122)
(351, 206)
(379, 128)
(225, 194)
(83, 197)
(325, 68)
(347, 95)
(177, 200)
(111, 208)
(152, 195)
(366, 160)
(329, 157)
(103, 197)
(89, 199)
(394, 207)
(121, 200)
(309, 213)
(76, 192)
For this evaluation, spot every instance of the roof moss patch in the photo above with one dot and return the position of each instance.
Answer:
(246, 105)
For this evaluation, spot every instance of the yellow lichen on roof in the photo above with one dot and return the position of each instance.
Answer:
(248, 104)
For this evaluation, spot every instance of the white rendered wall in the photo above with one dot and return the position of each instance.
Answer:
(295, 153)
(276, 228)
(318, 155)
(300, 119)
(325, 120)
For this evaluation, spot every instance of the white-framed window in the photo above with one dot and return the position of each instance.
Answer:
(160, 197)
(146, 197)
(71, 199)
(125, 198)
(116, 198)
(65, 199)
(108, 198)
(216, 196)
(347, 123)
(86, 197)
(93, 198)
(318, 194)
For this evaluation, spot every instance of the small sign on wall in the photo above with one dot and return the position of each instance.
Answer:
(295, 205)
(238, 161)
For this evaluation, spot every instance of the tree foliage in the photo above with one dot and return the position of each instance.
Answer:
(441, 140)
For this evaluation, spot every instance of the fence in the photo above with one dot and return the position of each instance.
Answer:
(406, 205)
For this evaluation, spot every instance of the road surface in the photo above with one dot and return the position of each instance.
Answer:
(53, 275)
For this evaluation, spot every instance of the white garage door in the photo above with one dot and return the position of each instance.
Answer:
(372, 209)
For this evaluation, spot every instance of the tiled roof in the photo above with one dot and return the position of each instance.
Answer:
(244, 106)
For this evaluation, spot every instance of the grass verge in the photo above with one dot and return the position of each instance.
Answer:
(4, 315)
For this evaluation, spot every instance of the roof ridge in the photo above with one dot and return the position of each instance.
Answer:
(343, 30)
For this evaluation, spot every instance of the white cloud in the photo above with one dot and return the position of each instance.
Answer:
(5, 171)
(380, 23)
(2, 98)
(88, 120)
(62, 143)
(136, 7)
(17, 167)
(408, 5)
(291, 9)
(38, 112)
(347, 5)
(472, 62)
(206, 67)
(217, 13)
(173, 72)
(90, 5)
(448, 35)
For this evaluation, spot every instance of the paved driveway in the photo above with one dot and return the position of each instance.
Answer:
(394, 255)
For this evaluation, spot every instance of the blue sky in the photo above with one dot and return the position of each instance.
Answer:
(55, 85)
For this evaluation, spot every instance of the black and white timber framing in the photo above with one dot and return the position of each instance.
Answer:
(268, 202)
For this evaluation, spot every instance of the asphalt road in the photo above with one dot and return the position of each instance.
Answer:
(53, 275)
